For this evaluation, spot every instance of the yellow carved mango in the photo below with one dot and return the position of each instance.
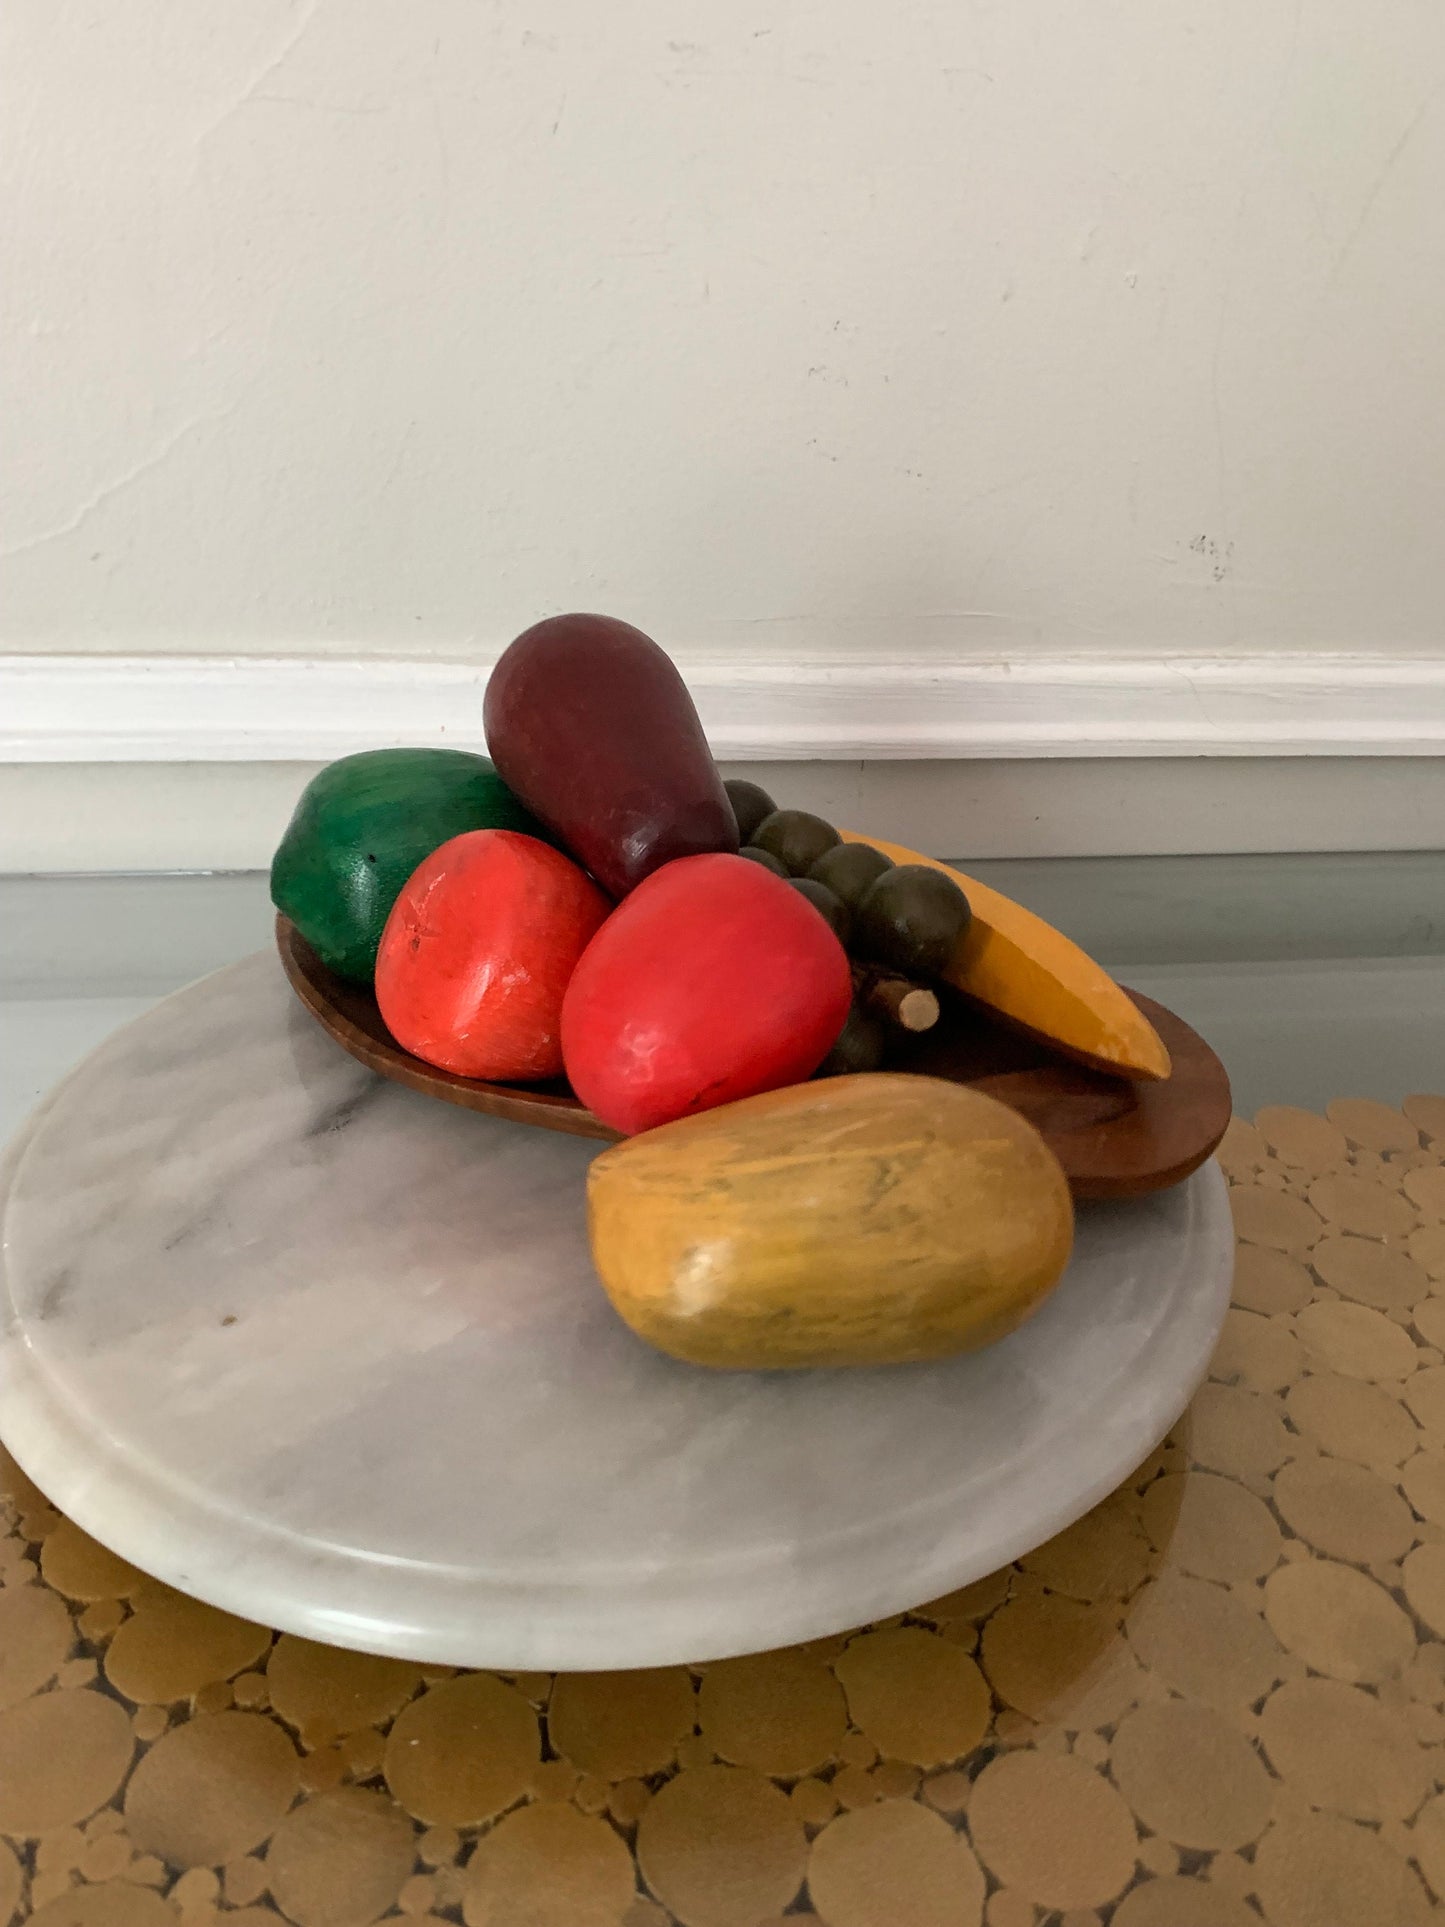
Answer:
(851, 1221)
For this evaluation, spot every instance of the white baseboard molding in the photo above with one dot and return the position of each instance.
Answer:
(303, 709)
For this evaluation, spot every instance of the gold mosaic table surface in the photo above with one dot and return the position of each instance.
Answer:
(1217, 1699)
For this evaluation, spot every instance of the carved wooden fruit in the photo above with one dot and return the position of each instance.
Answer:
(1022, 967)
(592, 726)
(360, 828)
(478, 951)
(712, 981)
(856, 1221)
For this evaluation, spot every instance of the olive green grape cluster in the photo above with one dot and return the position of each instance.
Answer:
(901, 917)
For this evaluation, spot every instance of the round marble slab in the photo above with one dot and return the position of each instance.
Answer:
(332, 1356)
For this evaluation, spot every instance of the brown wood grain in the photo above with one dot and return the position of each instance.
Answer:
(1114, 1139)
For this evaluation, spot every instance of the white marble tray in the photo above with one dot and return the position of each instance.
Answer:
(331, 1355)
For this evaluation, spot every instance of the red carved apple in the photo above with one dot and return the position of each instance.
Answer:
(713, 980)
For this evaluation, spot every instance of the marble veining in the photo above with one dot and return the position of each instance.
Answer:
(331, 1355)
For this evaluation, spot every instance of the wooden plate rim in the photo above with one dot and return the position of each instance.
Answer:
(1155, 1135)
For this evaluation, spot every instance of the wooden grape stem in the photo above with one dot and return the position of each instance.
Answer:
(898, 1000)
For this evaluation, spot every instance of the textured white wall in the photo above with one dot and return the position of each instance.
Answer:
(993, 326)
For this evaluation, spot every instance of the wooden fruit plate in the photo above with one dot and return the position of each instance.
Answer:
(1113, 1138)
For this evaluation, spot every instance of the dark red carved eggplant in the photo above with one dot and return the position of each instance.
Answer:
(590, 724)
